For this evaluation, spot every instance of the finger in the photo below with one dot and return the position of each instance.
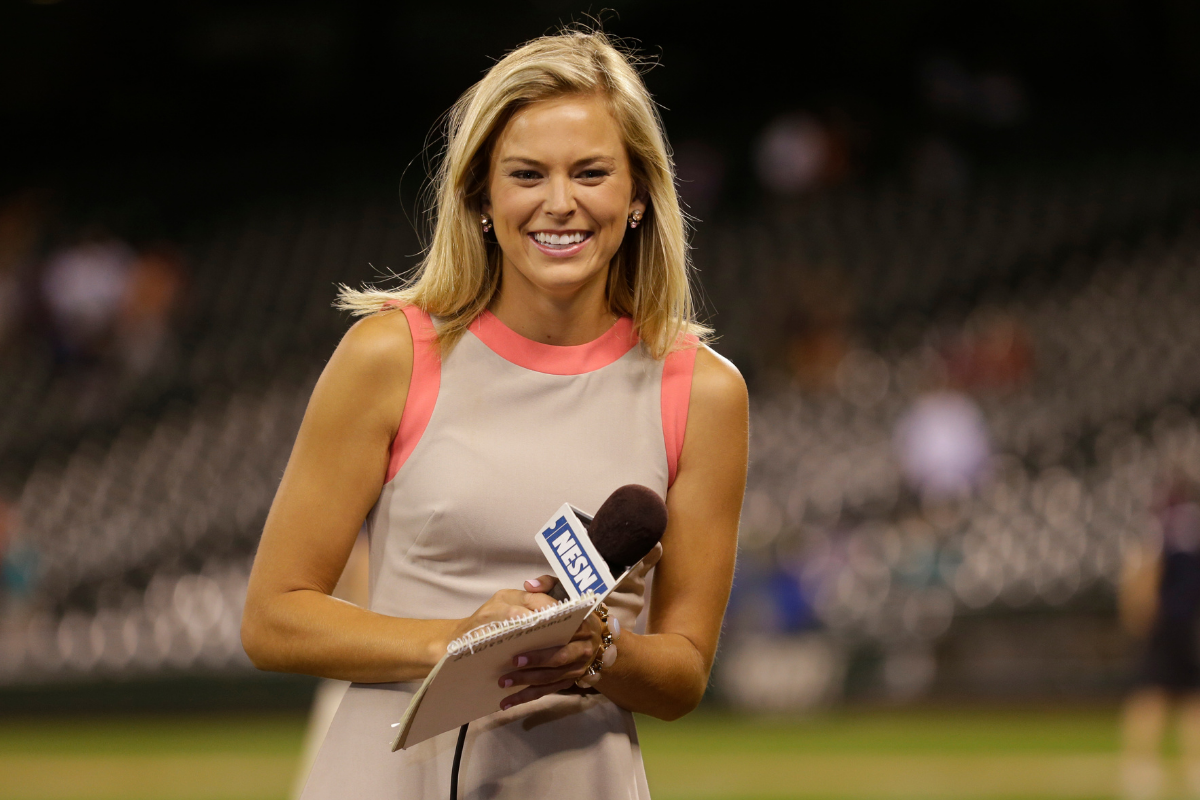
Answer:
(590, 628)
(555, 656)
(536, 601)
(544, 677)
(541, 584)
(516, 612)
(533, 693)
(651, 558)
(567, 657)
(535, 658)
(639, 570)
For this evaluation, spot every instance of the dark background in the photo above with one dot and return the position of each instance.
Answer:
(178, 107)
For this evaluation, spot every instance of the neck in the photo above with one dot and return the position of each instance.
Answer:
(575, 317)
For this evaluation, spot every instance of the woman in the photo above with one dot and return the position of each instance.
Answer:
(564, 362)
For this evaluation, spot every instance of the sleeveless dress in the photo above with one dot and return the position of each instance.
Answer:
(492, 441)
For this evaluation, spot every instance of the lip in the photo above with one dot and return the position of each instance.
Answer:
(561, 252)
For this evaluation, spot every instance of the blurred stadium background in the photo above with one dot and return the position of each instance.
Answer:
(954, 248)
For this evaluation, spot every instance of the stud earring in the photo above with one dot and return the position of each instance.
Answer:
(487, 223)
(635, 218)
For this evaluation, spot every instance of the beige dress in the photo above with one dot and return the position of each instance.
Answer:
(493, 440)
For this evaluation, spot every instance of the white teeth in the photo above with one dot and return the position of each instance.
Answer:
(559, 239)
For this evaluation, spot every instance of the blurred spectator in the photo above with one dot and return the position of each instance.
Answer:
(942, 444)
(993, 354)
(793, 154)
(1160, 601)
(153, 287)
(772, 596)
(817, 336)
(17, 561)
(84, 287)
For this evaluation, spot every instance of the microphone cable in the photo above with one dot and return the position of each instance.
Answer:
(458, 748)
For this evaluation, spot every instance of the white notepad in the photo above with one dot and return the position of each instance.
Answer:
(464, 685)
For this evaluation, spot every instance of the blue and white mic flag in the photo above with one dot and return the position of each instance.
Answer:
(579, 566)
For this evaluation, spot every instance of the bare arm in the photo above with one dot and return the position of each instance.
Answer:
(664, 672)
(334, 476)
(1137, 591)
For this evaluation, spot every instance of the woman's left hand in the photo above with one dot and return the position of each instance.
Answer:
(552, 669)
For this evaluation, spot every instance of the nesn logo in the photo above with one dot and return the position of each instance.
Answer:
(573, 558)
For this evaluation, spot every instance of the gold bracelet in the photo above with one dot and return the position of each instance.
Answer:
(603, 658)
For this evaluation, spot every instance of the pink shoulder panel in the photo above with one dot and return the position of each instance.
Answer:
(422, 389)
(676, 394)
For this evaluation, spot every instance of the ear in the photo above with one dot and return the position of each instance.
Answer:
(640, 201)
(485, 205)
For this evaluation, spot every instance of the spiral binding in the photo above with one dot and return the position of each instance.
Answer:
(492, 633)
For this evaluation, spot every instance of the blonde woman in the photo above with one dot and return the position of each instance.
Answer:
(546, 352)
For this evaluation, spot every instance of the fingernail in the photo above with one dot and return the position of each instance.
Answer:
(535, 583)
(505, 706)
(522, 661)
(507, 683)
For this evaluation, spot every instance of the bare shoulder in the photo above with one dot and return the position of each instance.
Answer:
(717, 422)
(717, 386)
(381, 341)
(368, 375)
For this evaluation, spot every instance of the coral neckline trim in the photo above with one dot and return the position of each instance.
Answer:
(554, 359)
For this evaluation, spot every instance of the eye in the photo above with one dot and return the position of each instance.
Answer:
(524, 175)
(594, 174)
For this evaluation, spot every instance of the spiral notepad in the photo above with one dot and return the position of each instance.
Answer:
(494, 633)
(464, 684)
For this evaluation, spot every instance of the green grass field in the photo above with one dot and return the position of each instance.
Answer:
(843, 755)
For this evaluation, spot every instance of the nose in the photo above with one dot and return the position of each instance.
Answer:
(560, 197)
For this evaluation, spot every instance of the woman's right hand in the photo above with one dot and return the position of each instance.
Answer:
(504, 604)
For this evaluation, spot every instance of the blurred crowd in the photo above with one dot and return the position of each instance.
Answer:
(999, 448)
(141, 449)
(962, 404)
(91, 297)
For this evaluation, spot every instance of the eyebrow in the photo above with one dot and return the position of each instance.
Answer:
(532, 162)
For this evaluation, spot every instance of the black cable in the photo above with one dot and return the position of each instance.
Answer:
(462, 737)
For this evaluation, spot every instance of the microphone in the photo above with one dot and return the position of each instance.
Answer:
(626, 527)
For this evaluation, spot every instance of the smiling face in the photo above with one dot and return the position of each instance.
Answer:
(560, 191)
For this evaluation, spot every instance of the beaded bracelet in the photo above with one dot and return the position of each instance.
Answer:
(608, 649)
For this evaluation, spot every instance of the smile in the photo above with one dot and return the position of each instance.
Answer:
(567, 243)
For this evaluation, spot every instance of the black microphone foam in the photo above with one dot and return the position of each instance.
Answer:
(625, 529)
(628, 525)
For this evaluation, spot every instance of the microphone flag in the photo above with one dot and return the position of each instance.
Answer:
(576, 562)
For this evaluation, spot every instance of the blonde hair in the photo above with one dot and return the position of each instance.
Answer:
(648, 278)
